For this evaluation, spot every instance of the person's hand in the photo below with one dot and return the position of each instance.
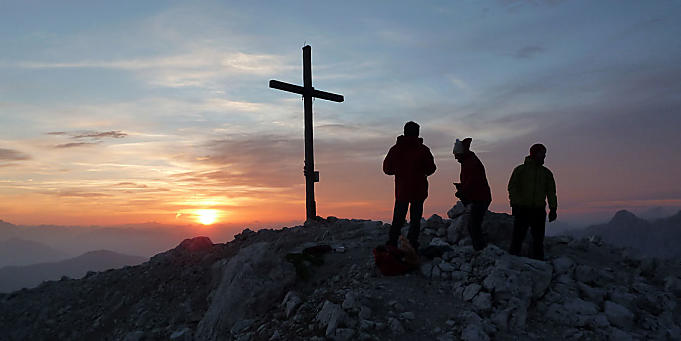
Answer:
(552, 215)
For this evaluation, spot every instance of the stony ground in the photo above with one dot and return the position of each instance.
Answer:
(247, 290)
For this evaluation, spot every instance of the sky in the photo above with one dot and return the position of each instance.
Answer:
(159, 111)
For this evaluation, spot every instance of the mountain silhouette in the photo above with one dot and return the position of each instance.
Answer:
(18, 251)
(17, 277)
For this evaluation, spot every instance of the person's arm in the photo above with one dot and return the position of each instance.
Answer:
(551, 195)
(388, 163)
(429, 163)
(513, 185)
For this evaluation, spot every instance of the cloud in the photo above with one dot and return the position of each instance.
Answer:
(94, 137)
(12, 155)
(99, 135)
(202, 68)
(527, 52)
(75, 144)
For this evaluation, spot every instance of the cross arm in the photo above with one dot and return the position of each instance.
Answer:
(327, 96)
(287, 87)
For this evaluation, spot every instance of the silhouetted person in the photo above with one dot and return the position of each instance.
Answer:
(531, 184)
(473, 191)
(411, 162)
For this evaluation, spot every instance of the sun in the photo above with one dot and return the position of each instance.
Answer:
(207, 217)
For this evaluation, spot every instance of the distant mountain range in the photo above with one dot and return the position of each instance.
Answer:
(16, 277)
(17, 251)
(659, 237)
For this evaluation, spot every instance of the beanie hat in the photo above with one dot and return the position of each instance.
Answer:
(537, 148)
(411, 129)
(462, 146)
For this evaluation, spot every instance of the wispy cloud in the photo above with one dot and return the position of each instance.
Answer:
(12, 155)
(99, 135)
(528, 52)
(75, 144)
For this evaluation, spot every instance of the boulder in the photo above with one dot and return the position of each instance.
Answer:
(618, 315)
(331, 316)
(456, 210)
(251, 282)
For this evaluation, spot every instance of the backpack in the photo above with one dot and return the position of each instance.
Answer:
(391, 261)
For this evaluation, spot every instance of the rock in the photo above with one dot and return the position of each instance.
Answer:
(595, 295)
(446, 267)
(434, 221)
(519, 277)
(500, 319)
(196, 244)
(366, 324)
(586, 274)
(672, 285)
(364, 312)
(251, 282)
(563, 265)
(407, 315)
(291, 303)
(619, 335)
(456, 210)
(343, 334)
(330, 316)
(395, 326)
(436, 272)
(621, 297)
(470, 291)
(454, 233)
(134, 336)
(438, 242)
(618, 315)
(241, 326)
(426, 269)
(482, 302)
(474, 332)
(350, 302)
(599, 321)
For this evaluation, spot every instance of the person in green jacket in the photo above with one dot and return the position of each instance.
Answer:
(530, 186)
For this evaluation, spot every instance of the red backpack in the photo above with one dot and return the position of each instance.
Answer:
(391, 261)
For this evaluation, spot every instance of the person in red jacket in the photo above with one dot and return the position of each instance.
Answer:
(411, 162)
(473, 190)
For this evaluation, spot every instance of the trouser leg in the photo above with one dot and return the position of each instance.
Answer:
(520, 225)
(399, 214)
(415, 214)
(478, 210)
(538, 225)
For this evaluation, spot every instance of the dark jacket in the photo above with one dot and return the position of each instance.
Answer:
(531, 184)
(474, 186)
(411, 162)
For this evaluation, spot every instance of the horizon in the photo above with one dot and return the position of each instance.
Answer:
(133, 113)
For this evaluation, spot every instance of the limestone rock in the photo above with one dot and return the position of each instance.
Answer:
(618, 315)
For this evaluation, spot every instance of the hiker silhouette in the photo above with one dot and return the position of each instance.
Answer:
(473, 190)
(411, 162)
(531, 184)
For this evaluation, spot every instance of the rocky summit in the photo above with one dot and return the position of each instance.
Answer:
(262, 286)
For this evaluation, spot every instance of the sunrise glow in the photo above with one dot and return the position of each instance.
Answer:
(207, 217)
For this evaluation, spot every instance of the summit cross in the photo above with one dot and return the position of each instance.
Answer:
(308, 92)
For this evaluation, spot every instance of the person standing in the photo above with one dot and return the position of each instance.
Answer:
(473, 190)
(411, 162)
(530, 186)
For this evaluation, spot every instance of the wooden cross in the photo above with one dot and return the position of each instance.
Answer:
(311, 176)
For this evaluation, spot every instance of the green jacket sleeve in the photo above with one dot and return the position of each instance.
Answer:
(513, 185)
(551, 190)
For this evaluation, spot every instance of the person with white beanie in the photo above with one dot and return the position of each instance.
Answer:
(473, 190)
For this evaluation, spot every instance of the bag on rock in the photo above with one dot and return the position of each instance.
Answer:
(391, 261)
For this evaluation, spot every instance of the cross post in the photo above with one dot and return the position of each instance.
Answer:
(308, 92)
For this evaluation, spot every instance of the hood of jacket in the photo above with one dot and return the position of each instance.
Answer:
(532, 162)
(409, 140)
